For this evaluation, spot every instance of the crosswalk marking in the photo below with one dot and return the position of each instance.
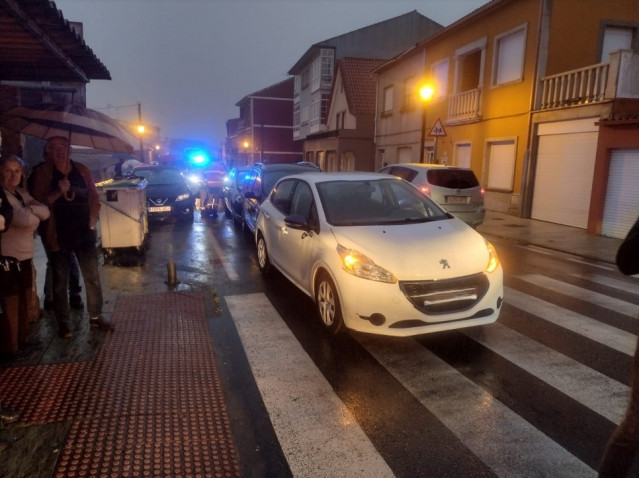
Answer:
(508, 444)
(587, 386)
(317, 433)
(612, 337)
(618, 284)
(582, 294)
(320, 437)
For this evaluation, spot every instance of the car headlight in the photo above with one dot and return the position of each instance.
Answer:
(362, 266)
(493, 260)
(183, 197)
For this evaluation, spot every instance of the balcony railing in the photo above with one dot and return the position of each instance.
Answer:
(464, 107)
(617, 78)
(576, 87)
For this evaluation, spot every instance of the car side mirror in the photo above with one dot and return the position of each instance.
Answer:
(249, 195)
(297, 221)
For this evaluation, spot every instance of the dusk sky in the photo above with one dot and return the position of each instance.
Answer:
(188, 62)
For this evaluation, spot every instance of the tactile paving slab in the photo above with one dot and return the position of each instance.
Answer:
(150, 404)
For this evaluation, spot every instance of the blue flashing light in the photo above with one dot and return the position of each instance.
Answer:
(197, 158)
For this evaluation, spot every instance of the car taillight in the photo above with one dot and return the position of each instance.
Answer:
(482, 191)
(425, 190)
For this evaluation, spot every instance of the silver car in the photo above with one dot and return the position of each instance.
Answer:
(455, 189)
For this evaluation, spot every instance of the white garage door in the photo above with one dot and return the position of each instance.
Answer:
(621, 208)
(564, 173)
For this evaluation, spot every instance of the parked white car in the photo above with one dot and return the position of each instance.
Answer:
(455, 189)
(378, 256)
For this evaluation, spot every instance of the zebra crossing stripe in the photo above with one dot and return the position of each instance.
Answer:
(594, 330)
(503, 440)
(600, 393)
(586, 295)
(623, 285)
(317, 433)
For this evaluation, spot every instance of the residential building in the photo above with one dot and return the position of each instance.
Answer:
(314, 71)
(43, 58)
(263, 132)
(539, 97)
(347, 144)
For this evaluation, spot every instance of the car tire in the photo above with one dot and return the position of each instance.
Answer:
(328, 305)
(263, 262)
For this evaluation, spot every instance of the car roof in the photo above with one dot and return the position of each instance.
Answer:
(282, 167)
(319, 177)
(422, 166)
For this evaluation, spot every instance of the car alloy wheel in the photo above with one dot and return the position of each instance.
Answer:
(263, 261)
(328, 305)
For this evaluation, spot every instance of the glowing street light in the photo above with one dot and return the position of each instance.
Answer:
(426, 92)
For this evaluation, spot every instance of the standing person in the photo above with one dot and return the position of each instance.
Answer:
(75, 289)
(18, 246)
(6, 215)
(68, 189)
(624, 443)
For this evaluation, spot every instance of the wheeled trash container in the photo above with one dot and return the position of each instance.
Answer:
(124, 225)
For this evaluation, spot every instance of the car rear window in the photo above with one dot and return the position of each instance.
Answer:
(452, 178)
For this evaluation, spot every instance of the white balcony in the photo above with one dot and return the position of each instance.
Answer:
(598, 83)
(464, 107)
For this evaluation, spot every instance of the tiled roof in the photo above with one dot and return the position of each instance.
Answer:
(359, 83)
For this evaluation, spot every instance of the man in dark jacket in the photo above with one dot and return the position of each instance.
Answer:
(69, 191)
(624, 443)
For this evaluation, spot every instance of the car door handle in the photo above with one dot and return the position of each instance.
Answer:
(284, 230)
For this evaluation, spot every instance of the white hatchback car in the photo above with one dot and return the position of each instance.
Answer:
(378, 256)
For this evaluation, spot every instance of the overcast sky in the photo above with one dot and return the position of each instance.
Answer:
(188, 62)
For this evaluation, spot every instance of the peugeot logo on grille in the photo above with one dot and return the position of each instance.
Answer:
(444, 263)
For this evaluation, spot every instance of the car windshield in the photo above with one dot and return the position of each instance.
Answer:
(160, 176)
(376, 202)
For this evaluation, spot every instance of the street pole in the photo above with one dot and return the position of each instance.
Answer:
(423, 134)
(139, 124)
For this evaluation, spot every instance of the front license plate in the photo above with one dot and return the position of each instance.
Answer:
(160, 209)
(457, 199)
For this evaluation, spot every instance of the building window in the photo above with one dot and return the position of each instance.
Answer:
(501, 165)
(616, 38)
(410, 94)
(510, 50)
(305, 79)
(341, 119)
(439, 73)
(469, 66)
(388, 100)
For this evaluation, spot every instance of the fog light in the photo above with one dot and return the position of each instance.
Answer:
(377, 319)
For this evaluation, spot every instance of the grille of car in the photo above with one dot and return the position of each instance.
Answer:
(445, 296)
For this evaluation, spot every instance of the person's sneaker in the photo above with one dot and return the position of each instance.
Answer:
(76, 303)
(64, 332)
(102, 322)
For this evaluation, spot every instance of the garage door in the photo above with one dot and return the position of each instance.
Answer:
(622, 195)
(564, 172)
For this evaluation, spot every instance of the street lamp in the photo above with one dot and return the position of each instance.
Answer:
(426, 92)
(141, 130)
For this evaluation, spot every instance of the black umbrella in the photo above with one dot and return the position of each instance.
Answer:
(82, 126)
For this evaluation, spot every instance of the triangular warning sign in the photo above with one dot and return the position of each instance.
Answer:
(437, 129)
